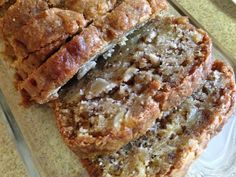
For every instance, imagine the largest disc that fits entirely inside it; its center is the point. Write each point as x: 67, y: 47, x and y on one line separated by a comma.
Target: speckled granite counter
x: 217, y: 16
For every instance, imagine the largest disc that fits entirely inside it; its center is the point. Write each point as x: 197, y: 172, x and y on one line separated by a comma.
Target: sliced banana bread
x: 43, y: 84
x: 161, y: 64
x: 179, y: 137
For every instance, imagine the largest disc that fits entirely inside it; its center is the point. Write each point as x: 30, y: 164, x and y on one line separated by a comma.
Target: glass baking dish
x: 45, y: 155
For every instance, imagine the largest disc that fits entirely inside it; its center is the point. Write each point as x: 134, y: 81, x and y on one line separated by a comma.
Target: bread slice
x: 179, y: 137
x: 34, y: 42
x: 120, y: 99
x: 43, y: 84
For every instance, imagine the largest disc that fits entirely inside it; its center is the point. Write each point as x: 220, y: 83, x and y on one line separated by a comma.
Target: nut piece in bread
x: 122, y: 97
x: 179, y: 137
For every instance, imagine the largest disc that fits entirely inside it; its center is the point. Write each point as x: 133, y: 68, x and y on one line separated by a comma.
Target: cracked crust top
x: 120, y: 99
x: 179, y: 137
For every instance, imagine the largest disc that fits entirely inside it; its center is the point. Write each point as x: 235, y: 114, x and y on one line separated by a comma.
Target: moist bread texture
x: 122, y: 97
x: 43, y: 84
x: 179, y: 137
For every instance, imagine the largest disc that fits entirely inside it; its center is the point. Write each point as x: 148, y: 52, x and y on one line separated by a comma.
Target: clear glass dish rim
x: 13, y: 126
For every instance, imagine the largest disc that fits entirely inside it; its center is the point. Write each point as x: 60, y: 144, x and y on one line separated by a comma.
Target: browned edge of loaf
x: 203, y: 133
x: 94, y: 146
x: 64, y: 64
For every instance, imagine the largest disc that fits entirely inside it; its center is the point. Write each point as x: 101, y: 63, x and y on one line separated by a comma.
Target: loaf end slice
x: 122, y: 97
x: 43, y: 84
x: 45, y: 33
x: 173, y: 142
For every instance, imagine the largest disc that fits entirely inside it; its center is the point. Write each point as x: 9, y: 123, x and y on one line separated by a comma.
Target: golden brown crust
x: 47, y: 27
x: 16, y: 16
x: 189, y: 145
x: 156, y: 96
x: 26, y: 66
x: 43, y: 35
x: 19, y: 14
x: 64, y: 64
x: 91, y: 9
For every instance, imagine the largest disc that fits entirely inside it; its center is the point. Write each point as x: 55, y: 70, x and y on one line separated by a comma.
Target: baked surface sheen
x: 122, y: 97
x: 179, y: 137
